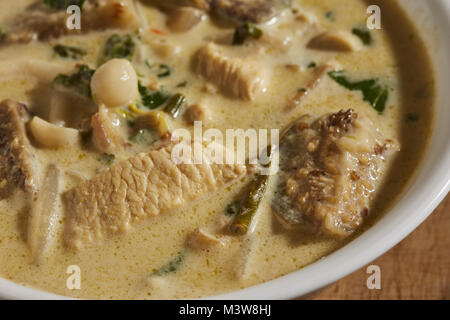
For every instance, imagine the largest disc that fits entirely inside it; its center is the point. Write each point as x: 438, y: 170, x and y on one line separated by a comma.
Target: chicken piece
x: 106, y: 135
x: 330, y: 168
x: 341, y: 41
x: 141, y: 187
x: 19, y: 166
x: 236, y: 77
x: 40, y: 22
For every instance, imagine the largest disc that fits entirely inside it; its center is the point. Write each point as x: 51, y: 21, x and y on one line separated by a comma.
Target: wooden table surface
x: 417, y: 268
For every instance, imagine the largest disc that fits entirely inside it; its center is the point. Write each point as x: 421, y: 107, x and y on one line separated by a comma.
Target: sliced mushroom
x: 42, y: 220
x: 197, y: 112
x: 49, y: 135
x: 184, y: 19
x: 200, y: 239
x: 335, y: 41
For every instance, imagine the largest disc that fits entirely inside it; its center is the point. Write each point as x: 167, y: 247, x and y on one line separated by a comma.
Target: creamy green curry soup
x: 92, y: 102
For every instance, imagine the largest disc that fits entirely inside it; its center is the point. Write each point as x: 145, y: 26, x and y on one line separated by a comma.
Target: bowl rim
x: 422, y: 196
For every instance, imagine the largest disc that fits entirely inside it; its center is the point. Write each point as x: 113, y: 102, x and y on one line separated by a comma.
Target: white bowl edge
x: 430, y: 185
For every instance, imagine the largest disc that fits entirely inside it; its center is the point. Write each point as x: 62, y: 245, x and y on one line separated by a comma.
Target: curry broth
x: 119, y: 268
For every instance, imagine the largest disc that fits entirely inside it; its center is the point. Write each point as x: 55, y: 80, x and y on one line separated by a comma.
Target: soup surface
x: 92, y: 203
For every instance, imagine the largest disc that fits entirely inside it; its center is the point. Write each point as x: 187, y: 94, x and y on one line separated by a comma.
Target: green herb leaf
x: 232, y: 208
x: 312, y: 65
x: 373, y: 93
x: 152, y: 99
x: 245, y: 31
x: 107, y: 158
x: 119, y: 47
x: 69, y: 52
x: 164, y: 71
x: 3, y: 35
x: 172, y: 266
x: 80, y: 81
x: 63, y: 4
x: 364, y: 35
x: 329, y: 15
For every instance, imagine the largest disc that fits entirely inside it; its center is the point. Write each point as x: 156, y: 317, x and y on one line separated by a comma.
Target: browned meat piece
x: 236, y: 77
x: 19, y: 165
x: 143, y: 186
x: 43, y: 23
x: 241, y: 11
x: 330, y: 168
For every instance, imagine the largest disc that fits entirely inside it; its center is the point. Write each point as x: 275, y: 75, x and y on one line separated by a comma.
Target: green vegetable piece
x: 164, y: 71
x: 80, y: 81
x: 364, y: 35
x: 312, y: 65
x: 172, y: 266
x: 3, y: 35
x: 107, y: 158
x: 330, y: 15
x: 69, y: 52
x: 175, y: 105
x: 373, y: 93
x: 119, y: 47
x: 152, y: 99
x: 245, y: 31
x: 249, y: 205
x: 63, y: 4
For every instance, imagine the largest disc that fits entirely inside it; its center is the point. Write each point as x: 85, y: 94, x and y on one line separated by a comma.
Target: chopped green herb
x: 181, y: 84
x: 119, y: 47
x: 172, y: 266
x: 2, y: 35
x: 245, y: 31
x: 69, y: 52
x: 412, y: 117
x: 63, y: 4
x: 312, y: 65
x: 232, y: 208
x: 164, y: 71
x: 80, y: 81
x: 175, y: 105
x: 329, y: 15
x: 107, y: 158
x: 364, y: 35
x: 373, y: 93
x: 152, y: 99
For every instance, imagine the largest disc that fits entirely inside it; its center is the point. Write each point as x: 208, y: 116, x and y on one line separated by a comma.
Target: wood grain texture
x: 417, y: 268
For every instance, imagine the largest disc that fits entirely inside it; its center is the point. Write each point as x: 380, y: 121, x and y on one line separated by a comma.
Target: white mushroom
x: 49, y: 135
x: 184, y: 19
x: 335, y: 41
x: 115, y: 83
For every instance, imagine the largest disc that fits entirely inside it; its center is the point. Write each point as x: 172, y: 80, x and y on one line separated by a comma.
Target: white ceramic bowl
x: 429, y: 186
